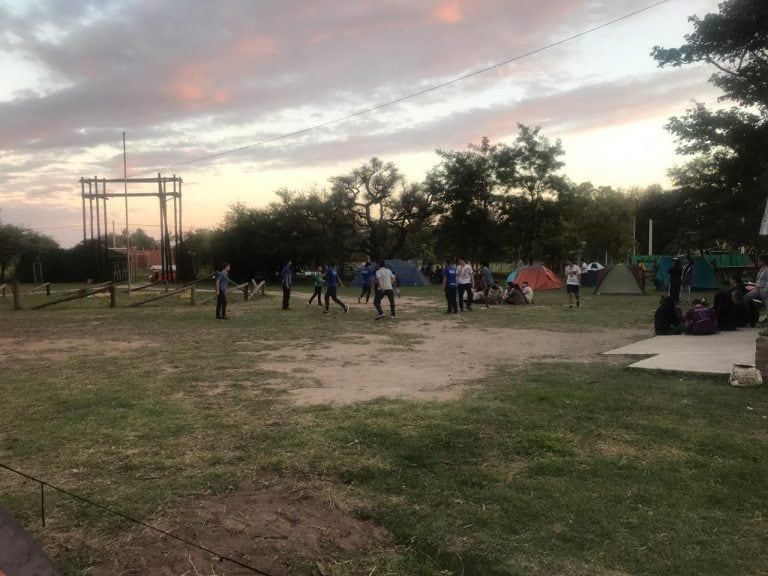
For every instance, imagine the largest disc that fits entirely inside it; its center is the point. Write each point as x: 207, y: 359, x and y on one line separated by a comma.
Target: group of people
x: 462, y: 289
x: 737, y: 307
x: 461, y: 286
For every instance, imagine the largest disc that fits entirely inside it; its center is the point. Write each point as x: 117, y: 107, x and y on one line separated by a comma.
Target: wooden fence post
x: 192, y: 294
x: 112, y: 296
x: 16, y: 295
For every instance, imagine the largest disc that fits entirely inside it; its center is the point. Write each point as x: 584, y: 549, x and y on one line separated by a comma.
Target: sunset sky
x: 187, y: 79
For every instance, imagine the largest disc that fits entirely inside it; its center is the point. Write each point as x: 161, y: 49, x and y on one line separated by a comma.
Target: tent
x: 539, y: 277
x: 619, y: 279
x: 407, y: 274
x: 595, y: 266
x: 704, y: 276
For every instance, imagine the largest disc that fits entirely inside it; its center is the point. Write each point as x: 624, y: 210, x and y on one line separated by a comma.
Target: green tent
x: 619, y: 279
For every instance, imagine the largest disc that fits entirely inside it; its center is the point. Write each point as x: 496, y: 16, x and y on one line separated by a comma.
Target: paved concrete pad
x: 713, y: 354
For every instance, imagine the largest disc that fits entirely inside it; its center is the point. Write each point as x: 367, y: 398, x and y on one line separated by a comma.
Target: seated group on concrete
x: 730, y: 310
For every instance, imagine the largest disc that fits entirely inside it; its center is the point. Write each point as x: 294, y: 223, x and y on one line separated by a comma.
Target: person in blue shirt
x: 222, y: 283
x: 366, y: 275
x: 332, y: 281
x: 450, y: 286
x: 286, y: 281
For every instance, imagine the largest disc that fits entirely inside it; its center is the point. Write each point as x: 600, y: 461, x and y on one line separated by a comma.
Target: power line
x: 382, y: 105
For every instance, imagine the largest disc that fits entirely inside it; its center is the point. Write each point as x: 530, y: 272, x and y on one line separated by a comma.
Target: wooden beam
x: 186, y: 286
x: 83, y: 294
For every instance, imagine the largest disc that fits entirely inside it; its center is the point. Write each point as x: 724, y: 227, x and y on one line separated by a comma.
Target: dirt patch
x: 430, y: 360
x: 268, y: 526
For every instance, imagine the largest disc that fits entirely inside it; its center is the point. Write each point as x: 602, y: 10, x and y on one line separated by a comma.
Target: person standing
x: 385, y: 286
x: 572, y: 281
x: 488, y: 281
x: 366, y: 276
x: 686, y: 279
x: 332, y: 281
x: 318, y: 282
x: 286, y: 281
x: 450, y: 286
x: 675, y: 273
x: 466, y: 280
x: 222, y: 283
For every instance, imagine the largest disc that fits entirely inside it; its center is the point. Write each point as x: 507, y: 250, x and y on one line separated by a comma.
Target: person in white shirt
x: 466, y: 281
x: 385, y: 282
x: 528, y: 293
x: 572, y: 282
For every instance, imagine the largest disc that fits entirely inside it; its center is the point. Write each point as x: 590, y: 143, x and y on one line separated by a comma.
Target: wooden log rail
x: 109, y: 287
x: 187, y: 286
x: 47, y: 287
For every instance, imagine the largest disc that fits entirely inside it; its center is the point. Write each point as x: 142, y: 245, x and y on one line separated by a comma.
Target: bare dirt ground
x: 267, y: 524
x: 264, y: 527
x: 436, y: 361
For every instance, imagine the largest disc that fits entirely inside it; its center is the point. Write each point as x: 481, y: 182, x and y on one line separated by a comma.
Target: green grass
x: 543, y: 468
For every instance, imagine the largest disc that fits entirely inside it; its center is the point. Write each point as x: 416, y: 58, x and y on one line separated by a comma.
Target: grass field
x: 544, y: 466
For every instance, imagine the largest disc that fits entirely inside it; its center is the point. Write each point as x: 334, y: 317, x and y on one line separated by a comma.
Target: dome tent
x: 538, y: 276
x: 619, y: 279
x: 407, y: 274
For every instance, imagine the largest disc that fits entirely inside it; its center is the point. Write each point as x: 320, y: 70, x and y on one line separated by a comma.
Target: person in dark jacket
x: 675, y: 273
x: 725, y: 311
x: 668, y: 319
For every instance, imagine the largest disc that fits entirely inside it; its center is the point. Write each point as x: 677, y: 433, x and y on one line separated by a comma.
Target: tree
x: 17, y: 243
x: 466, y: 186
x: 606, y: 223
x: 536, y: 163
x: 385, y: 211
x: 195, y: 256
x: 724, y: 187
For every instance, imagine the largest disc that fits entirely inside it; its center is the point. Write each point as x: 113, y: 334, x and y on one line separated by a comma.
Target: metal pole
x: 127, y: 231
x: 650, y: 237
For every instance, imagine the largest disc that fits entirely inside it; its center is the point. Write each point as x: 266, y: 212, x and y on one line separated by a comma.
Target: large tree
x: 466, y: 186
x: 386, y: 211
x: 17, y: 242
x: 723, y: 189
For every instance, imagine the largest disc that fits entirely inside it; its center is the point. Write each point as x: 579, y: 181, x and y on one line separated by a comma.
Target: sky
x: 277, y: 93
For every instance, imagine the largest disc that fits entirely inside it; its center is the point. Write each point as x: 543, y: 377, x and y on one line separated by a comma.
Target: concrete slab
x: 713, y: 354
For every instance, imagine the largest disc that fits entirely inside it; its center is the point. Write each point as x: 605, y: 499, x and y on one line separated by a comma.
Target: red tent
x: 539, y: 277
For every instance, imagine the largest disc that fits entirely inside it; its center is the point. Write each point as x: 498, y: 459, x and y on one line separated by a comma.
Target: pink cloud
x: 447, y: 13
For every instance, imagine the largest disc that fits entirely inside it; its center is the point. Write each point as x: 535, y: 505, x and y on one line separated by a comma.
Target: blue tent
x: 704, y: 276
x: 407, y: 274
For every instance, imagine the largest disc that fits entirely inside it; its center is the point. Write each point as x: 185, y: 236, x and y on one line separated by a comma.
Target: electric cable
x: 410, y: 96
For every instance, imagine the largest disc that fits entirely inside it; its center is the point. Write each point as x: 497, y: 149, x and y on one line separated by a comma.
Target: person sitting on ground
x: 494, y: 295
x: 513, y: 295
x: 700, y: 319
x: 667, y: 319
x: 527, y: 292
x: 725, y: 311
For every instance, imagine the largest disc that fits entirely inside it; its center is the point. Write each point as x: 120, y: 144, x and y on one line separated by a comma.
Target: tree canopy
x: 724, y: 187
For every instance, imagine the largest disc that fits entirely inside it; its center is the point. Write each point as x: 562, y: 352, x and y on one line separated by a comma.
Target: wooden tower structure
x: 95, y: 193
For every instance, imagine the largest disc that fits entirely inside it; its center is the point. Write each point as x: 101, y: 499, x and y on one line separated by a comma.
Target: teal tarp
x: 704, y: 276
x: 407, y: 274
